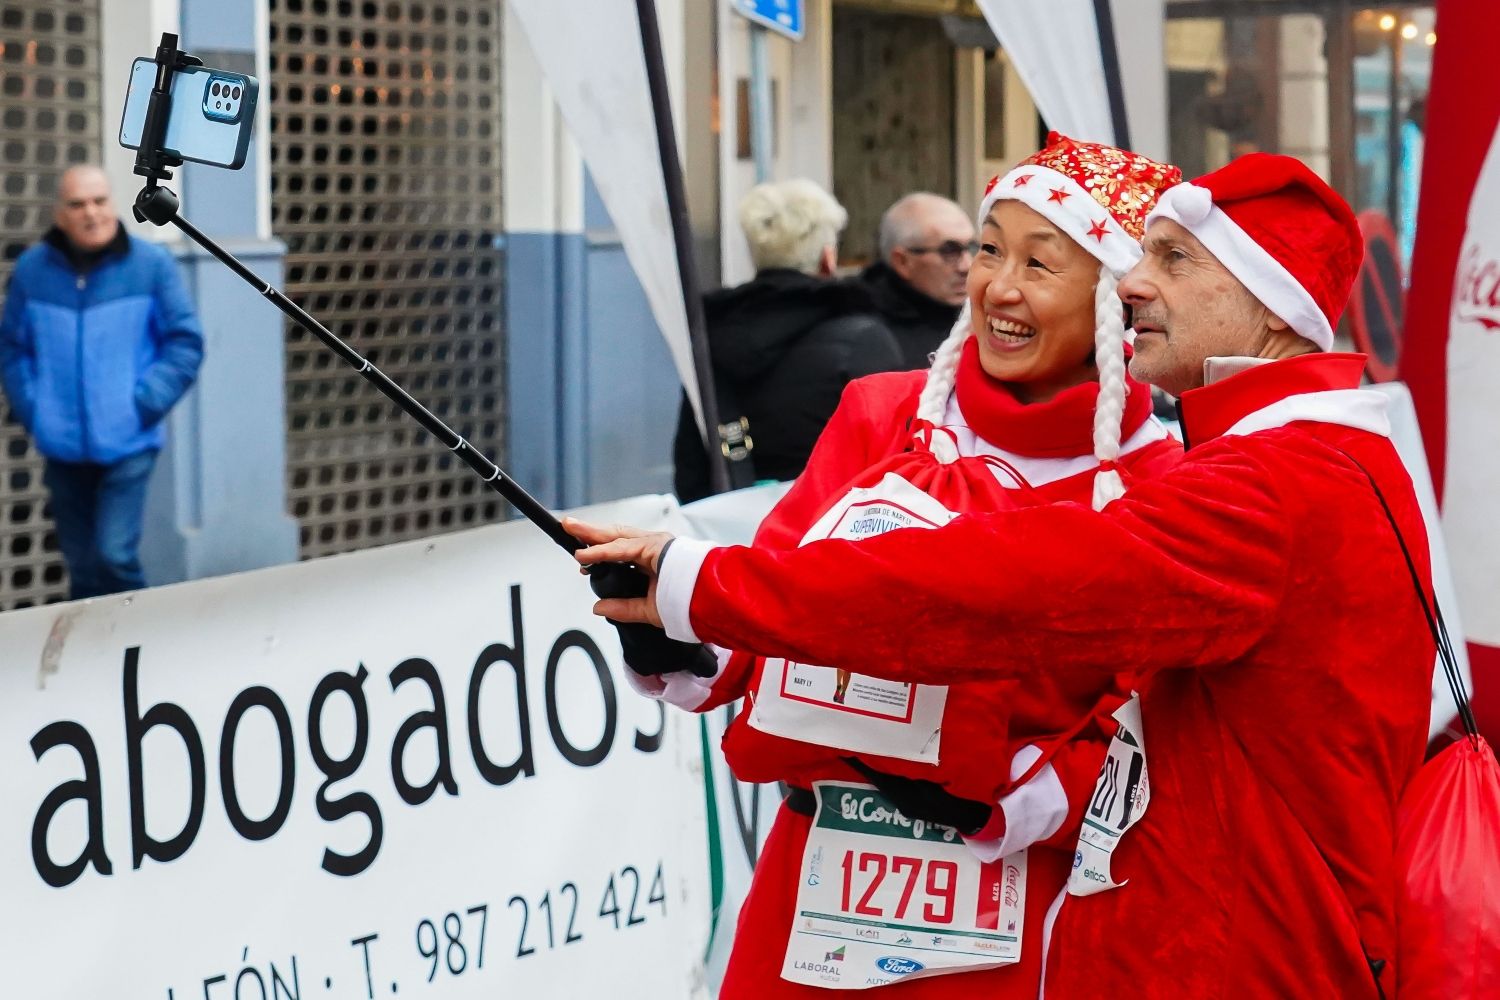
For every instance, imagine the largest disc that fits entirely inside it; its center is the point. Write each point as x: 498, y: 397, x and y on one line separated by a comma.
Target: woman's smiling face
x: 1031, y: 296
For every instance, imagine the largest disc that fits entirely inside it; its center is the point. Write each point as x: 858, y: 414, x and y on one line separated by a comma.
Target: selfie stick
x: 158, y: 205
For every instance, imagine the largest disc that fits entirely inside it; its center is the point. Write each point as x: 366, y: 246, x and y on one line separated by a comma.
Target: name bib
x: 839, y: 708
x: 1120, y: 798
x: 882, y: 898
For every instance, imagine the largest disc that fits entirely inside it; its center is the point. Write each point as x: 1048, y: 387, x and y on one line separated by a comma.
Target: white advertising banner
x: 744, y: 811
x: 1472, y: 471
x: 409, y: 772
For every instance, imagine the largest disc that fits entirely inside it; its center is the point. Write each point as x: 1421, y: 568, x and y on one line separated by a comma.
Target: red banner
x: 1451, y: 359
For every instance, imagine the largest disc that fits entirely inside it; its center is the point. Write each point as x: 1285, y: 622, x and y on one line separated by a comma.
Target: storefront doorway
x: 1339, y: 85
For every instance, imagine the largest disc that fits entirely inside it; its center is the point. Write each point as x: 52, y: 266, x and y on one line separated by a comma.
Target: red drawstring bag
x: 1448, y: 857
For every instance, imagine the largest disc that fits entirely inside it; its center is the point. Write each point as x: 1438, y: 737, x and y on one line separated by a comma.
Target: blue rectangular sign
x: 784, y: 16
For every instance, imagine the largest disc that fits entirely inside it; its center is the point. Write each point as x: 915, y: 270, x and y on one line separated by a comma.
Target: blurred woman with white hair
x: 784, y: 345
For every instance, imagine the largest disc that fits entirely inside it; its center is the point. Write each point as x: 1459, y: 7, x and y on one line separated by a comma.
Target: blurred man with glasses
x: 926, y: 246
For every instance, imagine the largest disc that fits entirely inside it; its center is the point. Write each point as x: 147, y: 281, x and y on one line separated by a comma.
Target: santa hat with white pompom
x: 1281, y: 231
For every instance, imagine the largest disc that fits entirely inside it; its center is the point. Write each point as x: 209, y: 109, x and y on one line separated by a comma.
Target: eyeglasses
x: 951, y: 251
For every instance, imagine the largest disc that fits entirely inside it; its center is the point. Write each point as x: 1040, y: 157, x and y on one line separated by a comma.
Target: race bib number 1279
x: 883, y: 898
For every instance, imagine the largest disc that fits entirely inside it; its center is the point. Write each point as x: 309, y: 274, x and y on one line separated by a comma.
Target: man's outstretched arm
x: 1184, y: 571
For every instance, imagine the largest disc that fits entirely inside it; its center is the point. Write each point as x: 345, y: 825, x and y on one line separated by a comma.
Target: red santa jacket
x: 1288, y: 667
x: 1052, y: 451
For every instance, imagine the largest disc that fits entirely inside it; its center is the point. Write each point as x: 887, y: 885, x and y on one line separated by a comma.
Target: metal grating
x: 49, y: 109
x: 385, y: 152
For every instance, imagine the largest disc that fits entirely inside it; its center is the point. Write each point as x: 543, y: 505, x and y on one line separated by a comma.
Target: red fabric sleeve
x: 1185, y: 570
x: 732, y: 683
x: 863, y: 429
x: 1151, y: 461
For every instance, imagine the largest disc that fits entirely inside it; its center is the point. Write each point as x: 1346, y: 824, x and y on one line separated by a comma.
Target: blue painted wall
x: 544, y: 285
x: 634, y: 391
x: 217, y: 502
x: 592, y: 393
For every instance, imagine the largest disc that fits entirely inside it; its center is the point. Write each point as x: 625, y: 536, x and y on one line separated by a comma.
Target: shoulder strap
x: 1433, y: 614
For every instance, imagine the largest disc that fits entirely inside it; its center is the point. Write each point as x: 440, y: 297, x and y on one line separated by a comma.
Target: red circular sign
x: 1375, y: 307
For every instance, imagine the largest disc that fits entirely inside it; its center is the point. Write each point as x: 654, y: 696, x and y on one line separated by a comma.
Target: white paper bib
x: 1120, y: 798
x: 839, y: 708
x: 882, y: 898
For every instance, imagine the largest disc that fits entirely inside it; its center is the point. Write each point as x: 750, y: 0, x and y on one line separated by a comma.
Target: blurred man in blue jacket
x: 98, y: 341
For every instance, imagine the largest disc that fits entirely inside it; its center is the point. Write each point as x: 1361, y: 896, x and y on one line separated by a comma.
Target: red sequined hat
x: 1099, y: 195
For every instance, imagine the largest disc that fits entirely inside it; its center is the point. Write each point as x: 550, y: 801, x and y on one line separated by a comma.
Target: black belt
x: 801, y: 801
x: 917, y: 798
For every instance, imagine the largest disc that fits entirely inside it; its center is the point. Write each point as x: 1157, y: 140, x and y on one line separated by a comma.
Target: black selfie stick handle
x: 158, y: 205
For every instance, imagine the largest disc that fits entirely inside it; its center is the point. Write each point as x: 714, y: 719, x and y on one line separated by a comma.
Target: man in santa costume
x: 1264, y: 594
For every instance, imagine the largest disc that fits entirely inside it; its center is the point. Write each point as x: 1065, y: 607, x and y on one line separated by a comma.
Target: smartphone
x: 211, y: 114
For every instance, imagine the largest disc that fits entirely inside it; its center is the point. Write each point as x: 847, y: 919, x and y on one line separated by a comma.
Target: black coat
x: 783, y: 347
x: 919, y: 322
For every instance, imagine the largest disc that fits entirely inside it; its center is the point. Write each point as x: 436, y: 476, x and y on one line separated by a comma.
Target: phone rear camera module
x: 221, y: 99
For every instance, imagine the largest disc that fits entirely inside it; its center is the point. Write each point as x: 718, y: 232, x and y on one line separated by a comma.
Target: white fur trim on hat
x: 1260, y: 273
x: 1063, y: 202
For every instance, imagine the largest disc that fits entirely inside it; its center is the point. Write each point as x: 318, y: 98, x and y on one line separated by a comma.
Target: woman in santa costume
x: 1276, y: 625
x: 1027, y: 402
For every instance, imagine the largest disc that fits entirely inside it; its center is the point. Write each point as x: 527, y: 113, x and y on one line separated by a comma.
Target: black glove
x: 649, y: 652
x: 918, y: 798
x: 647, y: 649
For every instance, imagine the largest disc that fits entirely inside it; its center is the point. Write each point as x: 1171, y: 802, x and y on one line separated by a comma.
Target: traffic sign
x: 783, y: 16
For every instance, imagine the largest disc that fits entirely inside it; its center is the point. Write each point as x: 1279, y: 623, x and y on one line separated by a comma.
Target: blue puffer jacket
x: 92, y: 360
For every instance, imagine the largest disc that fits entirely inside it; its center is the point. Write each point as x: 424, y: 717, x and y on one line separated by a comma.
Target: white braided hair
x: 1109, y: 355
x: 933, y: 403
x: 1109, y: 409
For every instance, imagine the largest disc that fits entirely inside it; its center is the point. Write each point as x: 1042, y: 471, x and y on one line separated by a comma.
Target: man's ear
x: 828, y: 262
x: 901, y: 262
x: 1275, y: 323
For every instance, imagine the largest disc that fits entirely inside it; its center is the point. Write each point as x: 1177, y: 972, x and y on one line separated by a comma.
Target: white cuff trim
x: 675, y: 579
x: 1033, y: 812
x: 685, y: 690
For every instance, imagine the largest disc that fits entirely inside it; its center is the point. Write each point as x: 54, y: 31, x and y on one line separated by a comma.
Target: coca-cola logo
x: 1476, y: 293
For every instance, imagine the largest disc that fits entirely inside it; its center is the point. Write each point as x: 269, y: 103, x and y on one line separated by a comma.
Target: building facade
x: 412, y: 184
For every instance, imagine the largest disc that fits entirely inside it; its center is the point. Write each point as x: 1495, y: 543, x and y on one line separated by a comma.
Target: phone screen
x: 211, y: 116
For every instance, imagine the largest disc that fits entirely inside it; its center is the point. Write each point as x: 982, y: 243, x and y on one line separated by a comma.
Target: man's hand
x: 622, y: 544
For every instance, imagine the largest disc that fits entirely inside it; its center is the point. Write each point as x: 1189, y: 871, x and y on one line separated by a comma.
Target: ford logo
x: 898, y: 966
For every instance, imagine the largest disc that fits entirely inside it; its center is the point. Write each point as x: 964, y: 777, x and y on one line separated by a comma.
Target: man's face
x: 1186, y: 307
x: 937, y: 262
x: 85, y: 210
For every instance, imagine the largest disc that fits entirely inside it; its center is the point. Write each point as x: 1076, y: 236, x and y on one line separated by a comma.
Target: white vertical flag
x: 1054, y: 45
x: 590, y: 52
